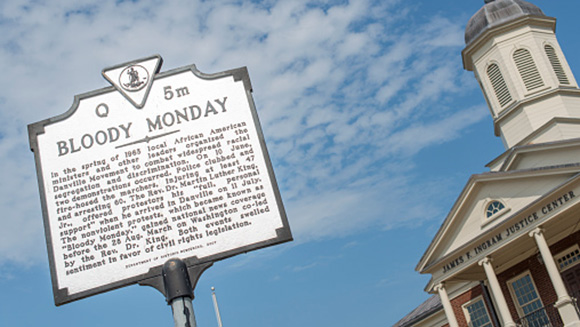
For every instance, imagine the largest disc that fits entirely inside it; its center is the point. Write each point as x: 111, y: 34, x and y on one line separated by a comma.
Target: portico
x: 512, y: 238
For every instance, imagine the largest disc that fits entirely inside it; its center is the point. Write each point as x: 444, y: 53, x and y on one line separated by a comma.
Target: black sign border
x: 283, y: 234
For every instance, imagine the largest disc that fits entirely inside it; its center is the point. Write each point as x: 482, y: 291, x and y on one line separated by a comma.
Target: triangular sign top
x: 134, y: 79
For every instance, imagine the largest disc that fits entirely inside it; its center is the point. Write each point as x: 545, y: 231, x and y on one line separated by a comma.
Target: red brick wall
x: 539, y: 275
x: 460, y: 300
x: 565, y: 243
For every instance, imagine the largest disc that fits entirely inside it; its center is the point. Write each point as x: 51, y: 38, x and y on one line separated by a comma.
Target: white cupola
x: 512, y: 49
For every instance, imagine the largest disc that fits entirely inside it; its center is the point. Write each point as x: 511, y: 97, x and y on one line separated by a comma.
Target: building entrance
x: 571, y: 278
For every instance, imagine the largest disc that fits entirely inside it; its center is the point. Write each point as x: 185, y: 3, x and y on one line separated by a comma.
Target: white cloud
x: 420, y: 135
x: 347, y: 93
x: 306, y: 267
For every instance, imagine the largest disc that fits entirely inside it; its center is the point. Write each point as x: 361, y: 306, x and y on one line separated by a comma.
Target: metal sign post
x: 159, y: 165
x: 182, y: 309
x: 179, y: 292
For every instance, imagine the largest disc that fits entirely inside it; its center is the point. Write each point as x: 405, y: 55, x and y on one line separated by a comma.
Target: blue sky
x: 372, y: 126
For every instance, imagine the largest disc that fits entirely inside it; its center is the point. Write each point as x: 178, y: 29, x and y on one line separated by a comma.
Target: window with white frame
x: 476, y: 313
x: 528, y: 302
x: 493, y: 208
x: 568, y: 258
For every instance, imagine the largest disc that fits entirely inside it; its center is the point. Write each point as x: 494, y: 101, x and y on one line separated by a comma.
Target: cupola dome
x: 497, y: 12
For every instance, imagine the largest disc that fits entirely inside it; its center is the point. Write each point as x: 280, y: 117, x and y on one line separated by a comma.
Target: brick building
x: 507, y: 254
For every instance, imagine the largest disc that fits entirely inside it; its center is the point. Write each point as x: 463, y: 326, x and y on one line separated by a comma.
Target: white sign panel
x: 159, y: 166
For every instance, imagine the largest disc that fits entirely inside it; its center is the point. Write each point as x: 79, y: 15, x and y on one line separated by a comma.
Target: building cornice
x: 509, y: 157
x: 528, y: 20
x: 513, y: 109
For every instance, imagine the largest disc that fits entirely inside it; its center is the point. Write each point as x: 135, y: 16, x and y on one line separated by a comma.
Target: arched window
x: 500, y: 88
x: 493, y: 208
x: 556, y: 66
x: 528, y: 70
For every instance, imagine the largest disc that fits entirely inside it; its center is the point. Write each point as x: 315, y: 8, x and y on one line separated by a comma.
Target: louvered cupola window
x: 558, y: 70
x: 499, y: 86
x: 528, y: 70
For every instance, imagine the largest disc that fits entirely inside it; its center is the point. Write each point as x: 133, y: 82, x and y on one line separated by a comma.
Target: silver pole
x: 215, y: 306
x: 179, y: 290
x: 183, y: 316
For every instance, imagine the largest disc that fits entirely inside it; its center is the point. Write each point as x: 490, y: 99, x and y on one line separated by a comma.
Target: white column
x: 497, y: 293
x: 447, y: 305
x: 565, y: 304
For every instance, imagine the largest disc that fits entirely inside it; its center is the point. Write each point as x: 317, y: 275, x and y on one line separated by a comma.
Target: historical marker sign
x: 160, y: 165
